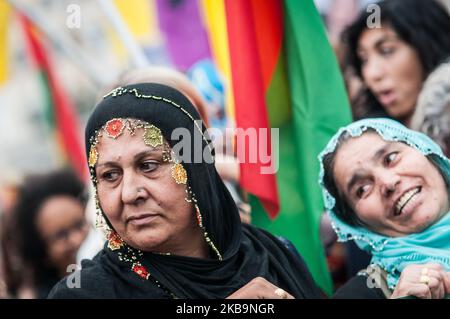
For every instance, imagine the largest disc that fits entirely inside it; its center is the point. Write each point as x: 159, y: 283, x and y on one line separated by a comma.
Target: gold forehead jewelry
x: 152, y: 136
x: 114, y: 127
x: 121, y: 91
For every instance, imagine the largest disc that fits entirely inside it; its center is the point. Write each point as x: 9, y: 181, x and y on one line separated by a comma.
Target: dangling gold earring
x: 179, y: 174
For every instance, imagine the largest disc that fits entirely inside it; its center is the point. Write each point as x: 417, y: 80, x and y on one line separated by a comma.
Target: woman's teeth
x: 407, y: 198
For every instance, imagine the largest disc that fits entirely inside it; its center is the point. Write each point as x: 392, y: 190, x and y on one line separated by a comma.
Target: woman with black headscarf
x: 174, y: 230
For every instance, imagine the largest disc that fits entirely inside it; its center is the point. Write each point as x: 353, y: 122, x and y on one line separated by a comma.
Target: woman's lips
x: 140, y: 220
x: 410, y: 206
x: 387, y: 97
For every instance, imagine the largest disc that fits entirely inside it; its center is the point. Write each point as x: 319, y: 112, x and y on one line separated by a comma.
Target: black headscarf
x: 247, y: 252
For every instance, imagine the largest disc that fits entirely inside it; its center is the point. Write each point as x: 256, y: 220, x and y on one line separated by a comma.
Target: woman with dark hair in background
x: 395, y: 59
x: 50, y: 226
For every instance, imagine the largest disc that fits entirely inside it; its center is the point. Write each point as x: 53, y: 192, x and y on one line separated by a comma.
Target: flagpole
x: 137, y: 55
x: 99, y: 76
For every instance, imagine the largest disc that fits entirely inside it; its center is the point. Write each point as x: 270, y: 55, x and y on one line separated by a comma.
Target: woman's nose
x: 76, y: 237
x: 389, y: 183
x: 128, y: 188
x: 373, y: 70
x: 131, y: 191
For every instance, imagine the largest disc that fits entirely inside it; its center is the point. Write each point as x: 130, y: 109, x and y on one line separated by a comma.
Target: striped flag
x: 213, y: 13
x: 61, y: 114
x: 4, y: 21
x: 284, y: 75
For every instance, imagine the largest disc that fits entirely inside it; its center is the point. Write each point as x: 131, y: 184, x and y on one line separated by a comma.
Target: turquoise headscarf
x: 393, y: 254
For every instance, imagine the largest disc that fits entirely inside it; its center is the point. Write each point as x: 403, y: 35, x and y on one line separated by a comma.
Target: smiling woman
x: 390, y: 177
x: 173, y: 228
x: 387, y: 188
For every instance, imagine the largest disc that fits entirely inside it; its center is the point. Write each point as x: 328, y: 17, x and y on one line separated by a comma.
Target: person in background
x: 394, y: 59
x: 9, y: 262
x: 50, y: 226
x: 207, y: 80
x: 432, y: 115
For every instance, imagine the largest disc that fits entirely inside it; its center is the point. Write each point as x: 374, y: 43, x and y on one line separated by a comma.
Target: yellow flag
x: 4, y: 20
x: 216, y: 26
x: 140, y: 17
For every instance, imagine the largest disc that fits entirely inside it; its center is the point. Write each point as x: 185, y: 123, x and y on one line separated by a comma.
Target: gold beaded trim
x: 190, y: 198
x: 205, y: 233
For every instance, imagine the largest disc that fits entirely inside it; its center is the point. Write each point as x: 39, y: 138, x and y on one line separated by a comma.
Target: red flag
x: 66, y: 123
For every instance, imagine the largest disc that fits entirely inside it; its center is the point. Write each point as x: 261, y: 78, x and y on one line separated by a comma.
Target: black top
x: 101, y: 278
x: 45, y: 285
x: 358, y: 287
x: 107, y: 277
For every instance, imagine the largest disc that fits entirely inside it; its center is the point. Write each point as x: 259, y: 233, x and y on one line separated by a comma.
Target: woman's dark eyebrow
x: 139, y: 155
x: 380, y: 41
x: 357, y: 176
x: 380, y: 153
x: 151, y: 151
x: 110, y: 163
x: 384, y: 39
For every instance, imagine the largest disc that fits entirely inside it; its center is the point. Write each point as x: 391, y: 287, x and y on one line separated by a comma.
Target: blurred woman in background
x: 394, y: 60
x: 50, y: 226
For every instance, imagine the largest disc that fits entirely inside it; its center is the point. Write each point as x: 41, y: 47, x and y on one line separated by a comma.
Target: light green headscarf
x: 393, y: 254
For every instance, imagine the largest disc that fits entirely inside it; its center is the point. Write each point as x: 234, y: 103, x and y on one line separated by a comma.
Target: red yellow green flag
x: 61, y: 113
x: 285, y: 75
